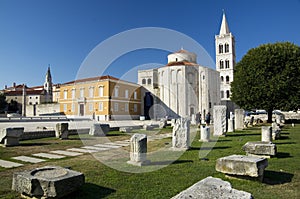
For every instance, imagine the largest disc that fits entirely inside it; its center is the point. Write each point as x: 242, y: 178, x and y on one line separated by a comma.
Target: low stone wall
x: 30, y: 135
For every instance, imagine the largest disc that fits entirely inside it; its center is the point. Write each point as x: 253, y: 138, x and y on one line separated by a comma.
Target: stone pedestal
x: 193, y: 119
x: 62, y: 130
x: 47, y: 182
x: 11, y: 136
x: 266, y: 134
x: 181, y: 134
x: 241, y: 165
x: 138, y: 150
x: 230, y: 125
x: 275, y: 131
x: 239, y: 118
x: 163, y: 123
x: 205, y: 134
x: 148, y: 127
x: 99, y: 129
x: 264, y: 149
x: 125, y: 129
x: 220, y: 120
x: 212, y: 188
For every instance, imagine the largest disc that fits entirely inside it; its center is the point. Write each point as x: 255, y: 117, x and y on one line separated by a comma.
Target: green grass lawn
x: 282, y: 176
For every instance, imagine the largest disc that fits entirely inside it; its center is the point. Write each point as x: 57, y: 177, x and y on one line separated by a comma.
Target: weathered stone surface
x: 220, y: 120
x: 276, y: 131
x: 266, y: 133
x: 193, y: 119
x: 9, y: 164
x: 205, y: 134
x: 173, y: 121
x: 230, y: 125
x: 260, y: 148
x: 99, y: 129
x: 242, y: 165
x: 125, y: 129
x: 62, y: 131
x: 148, y: 127
x: 138, y: 150
x: 11, y: 136
x: 239, y: 117
x: 28, y: 159
x: 211, y: 188
x: 163, y: 123
x: 181, y: 134
x: 47, y: 182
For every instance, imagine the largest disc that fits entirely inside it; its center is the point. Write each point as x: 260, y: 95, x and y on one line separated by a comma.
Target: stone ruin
x: 212, y: 188
x: 99, y: 129
x: 220, y: 120
x: 163, y: 123
x: 276, y: 131
x: 125, y: 129
x: 239, y: 118
x: 11, y: 136
x: 266, y: 134
x: 263, y: 149
x: 47, y: 182
x: 62, y: 130
x: 205, y: 134
x: 181, y: 134
x: 138, y: 150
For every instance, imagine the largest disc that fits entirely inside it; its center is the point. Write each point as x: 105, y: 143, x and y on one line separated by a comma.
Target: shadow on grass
x: 284, y: 133
x: 171, y: 162
x: 285, y: 143
x: 221, y: 140
x: 284, y: 138
x: 34, y: 144
x: 283, y: 155
x: 208, y: 148
x: 275, y: 177
x: 240, y: 134
x: 89, y: 190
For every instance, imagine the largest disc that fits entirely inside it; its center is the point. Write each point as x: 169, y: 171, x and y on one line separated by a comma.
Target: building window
x: 226, y: 48
x: 100, y: 106
x: 73, y: 108
x: 91, y: 107
x: 221, y: 64
x: 126, y: 93
x: 220, y: 48
x: 222, y: 94
x: 116, y: 91
x: 101, y: 88
x: 143, y: 81
x: 226, y: 63
x: 149, y: 81
x: 65, y: 107
x: 135, y: 95
x: 65, y: 94
x: 126, y: 107
x: 91, y: 92
x: 36, y: 97
x: 116, y: 107
x: 82, y: 92
x: 36, y: 103
x: 30, y: 103
x: 73, y: 93
x: 227, y: 79
x: 30, y: 97
x: 227, y: 94
x: 222, y: 79
x: 135, y: 108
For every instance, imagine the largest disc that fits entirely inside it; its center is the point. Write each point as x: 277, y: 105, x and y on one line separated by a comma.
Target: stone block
x: 47, y: 182
x: 241, y: 165
x: 212, y: 188
x: 163, y: 123
x: 148, y: 127
x: 125, y: 129
x: 266, y: 133
x: 62, y: 130
x: 266, y: 149
x: 220, y: 120
x: 230, y: 125
x: 181, y: 134
x: 276, y: 131
x: 239, y: 117
x: 99, y: 129
x: 11, y: 136
x: 205, y: 134
x: 138, y: 150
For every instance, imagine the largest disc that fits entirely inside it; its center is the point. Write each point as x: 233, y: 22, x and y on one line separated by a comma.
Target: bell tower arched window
x: 226, y: 48
x: 220, y: 48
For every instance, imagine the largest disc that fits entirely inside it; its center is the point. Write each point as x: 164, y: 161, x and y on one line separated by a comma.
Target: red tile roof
x: 106, y: 77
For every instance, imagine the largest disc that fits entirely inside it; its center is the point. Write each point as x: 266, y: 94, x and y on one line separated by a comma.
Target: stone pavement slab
x: 9, y: 164
x: 117, y: 144
x: 66, y: 153
x: 28, y: 159
x: 48, y: 155
x: 107, y: 146
x: 95, y: 148
x: 82, y: 150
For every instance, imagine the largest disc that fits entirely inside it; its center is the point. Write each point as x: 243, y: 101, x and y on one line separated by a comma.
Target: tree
x: 3, y: 102
x: 268, y: 77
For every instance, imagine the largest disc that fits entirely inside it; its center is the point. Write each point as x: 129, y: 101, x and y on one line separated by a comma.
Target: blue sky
x: 35, y: 33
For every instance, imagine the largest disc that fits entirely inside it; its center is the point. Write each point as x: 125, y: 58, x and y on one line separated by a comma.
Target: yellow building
x: 101, y: 98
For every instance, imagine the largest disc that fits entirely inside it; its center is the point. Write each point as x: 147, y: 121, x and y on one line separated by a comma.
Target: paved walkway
x: 72, y: 152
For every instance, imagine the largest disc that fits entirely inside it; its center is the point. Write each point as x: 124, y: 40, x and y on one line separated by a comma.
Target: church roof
x: 20, y: 93
x: 182, y: 63
x: 183, y: 51
x: 224, y: 26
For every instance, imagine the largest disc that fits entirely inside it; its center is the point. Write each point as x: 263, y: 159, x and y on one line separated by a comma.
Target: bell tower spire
x: 224, y: 26
x: 48, y: 85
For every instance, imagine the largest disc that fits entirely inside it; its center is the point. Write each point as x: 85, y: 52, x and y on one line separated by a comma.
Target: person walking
x: 207, y: 119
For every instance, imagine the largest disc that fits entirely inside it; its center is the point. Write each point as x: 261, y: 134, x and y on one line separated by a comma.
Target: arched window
x: 143, y: 81
x: 220, y: 48
x: 226, y: 48
x: 226, y: 63
x: 221, y: 64
x: 222, y: 78
x: 227, y: 79
x: 222, y: 94
x: 149, y: 81
x: 227, y: 94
